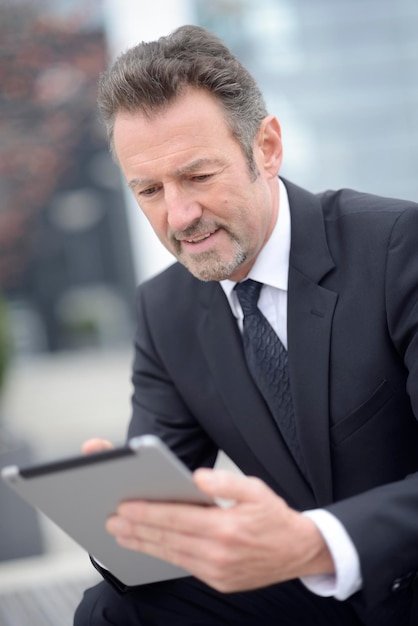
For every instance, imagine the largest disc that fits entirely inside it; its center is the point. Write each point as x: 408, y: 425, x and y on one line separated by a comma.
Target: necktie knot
x: 248, y: 293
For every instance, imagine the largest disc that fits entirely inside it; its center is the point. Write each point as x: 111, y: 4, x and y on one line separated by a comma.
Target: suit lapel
x: 310, y: 312
x: 222, y: 346
x: 309, y: 330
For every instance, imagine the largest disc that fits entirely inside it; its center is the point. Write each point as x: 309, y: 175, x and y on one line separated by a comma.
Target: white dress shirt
x: 272, y: 269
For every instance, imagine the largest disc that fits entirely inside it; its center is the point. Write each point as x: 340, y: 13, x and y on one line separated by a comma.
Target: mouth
x: 200, y: 242
x: 199, y: 239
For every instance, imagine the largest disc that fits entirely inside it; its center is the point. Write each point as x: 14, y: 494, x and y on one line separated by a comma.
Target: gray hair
x: 151, y: 75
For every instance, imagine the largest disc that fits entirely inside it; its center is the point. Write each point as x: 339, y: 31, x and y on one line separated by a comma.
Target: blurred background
x: 342, y: 78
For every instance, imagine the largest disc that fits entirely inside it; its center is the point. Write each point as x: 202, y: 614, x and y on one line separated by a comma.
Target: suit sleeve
x: 157, y: 406
x: 383, y: 522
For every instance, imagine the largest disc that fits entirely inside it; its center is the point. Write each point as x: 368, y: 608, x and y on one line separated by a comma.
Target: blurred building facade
x: 342, y: 78
x: 65, y: 259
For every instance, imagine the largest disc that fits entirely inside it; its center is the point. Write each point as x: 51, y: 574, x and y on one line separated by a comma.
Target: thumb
x: 229, y: 486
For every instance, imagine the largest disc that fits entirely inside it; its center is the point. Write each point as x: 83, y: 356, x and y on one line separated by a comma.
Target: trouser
x: 189, y: 602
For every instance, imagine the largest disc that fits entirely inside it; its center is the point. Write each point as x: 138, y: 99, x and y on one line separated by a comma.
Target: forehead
x: 191, y: 127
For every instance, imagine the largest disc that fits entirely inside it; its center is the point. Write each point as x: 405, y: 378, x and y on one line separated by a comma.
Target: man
x: 324, y: 529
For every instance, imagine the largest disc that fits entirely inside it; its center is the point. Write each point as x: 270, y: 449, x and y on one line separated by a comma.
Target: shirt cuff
x: 347, y: 578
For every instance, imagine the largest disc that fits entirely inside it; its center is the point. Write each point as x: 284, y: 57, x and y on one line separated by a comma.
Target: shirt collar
x: 271, y: 266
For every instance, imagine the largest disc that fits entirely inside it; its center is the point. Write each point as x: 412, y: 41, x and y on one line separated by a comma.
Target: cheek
x: 157, y: 222
x: 153, y: 214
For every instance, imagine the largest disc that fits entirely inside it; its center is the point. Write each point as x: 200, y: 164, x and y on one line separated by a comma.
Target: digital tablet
x: 79, y: 493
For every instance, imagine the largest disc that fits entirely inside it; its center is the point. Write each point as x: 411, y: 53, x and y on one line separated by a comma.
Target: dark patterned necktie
x: 267, y: 361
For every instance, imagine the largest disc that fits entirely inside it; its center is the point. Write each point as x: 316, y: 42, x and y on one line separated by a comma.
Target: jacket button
x: 404, y: 581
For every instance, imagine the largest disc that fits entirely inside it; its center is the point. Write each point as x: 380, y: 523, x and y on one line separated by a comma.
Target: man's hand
x: 256, y: 542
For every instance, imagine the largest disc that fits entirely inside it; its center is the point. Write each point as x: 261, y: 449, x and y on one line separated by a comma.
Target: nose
x: 182, y: 209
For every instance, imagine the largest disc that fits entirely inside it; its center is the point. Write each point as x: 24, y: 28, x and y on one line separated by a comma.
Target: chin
x: 209, y: 267
x: 208, y: 274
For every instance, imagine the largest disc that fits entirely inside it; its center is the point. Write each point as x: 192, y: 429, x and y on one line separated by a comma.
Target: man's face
x: 193, y: 183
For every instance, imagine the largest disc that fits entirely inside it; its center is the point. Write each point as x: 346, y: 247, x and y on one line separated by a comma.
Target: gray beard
x: 208, y: 266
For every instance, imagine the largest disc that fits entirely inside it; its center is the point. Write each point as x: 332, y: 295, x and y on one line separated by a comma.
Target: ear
x: 269, y: 146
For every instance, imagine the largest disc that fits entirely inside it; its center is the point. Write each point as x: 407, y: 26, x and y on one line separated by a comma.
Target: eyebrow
x: 194, y: 166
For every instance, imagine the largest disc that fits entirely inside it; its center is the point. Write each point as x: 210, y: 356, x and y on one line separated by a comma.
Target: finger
x: 191, y: 552
x: 229, y: 486
x: 183, y: 518
x: 203, y: 557
x: 190, y: 561
x: 146, y: 536
x: 96, y: 445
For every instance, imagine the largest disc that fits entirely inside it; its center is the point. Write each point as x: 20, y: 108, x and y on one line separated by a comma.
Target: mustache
x: 197, y: 228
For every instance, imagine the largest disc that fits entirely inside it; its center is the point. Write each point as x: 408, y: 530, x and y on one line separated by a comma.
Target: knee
x: 92, y: 609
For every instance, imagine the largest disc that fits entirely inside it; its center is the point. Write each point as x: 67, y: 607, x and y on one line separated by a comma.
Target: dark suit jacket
x: 353, y: 359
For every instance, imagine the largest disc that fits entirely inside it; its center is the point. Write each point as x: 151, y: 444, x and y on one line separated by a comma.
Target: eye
x: 200, y: 178
x: 149, y: 191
